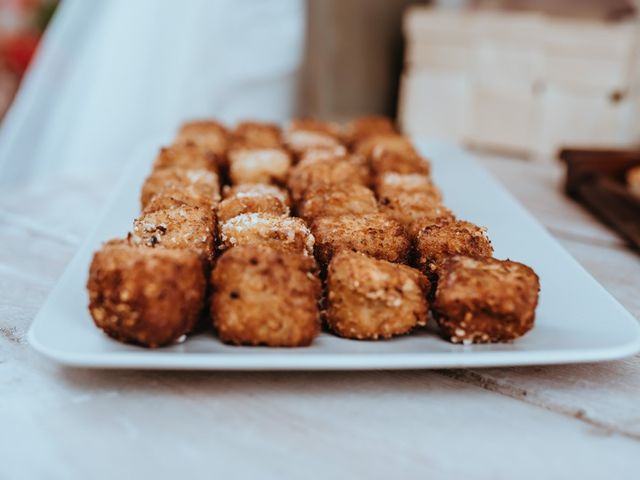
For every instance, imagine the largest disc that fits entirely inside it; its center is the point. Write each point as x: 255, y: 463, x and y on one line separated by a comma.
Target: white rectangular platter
x: 577, y: 320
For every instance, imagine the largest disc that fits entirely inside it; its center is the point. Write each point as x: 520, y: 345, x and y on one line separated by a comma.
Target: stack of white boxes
x: 520, y: 83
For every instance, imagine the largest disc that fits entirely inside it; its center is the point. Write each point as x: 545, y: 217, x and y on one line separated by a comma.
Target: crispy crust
x: 367, y: 126
x: 374, y: 234
x: 391, y: 184
x: 259, y: 165
x: 188, y: 155
x: 302, y: 135
x: 374, y: 299
x: 174, y: 197
x: 485, y: 300
x: 323, y: 153
x: 182, y: 227
x: 383, y: 161
x: 256, y: 190
x: 329, y: 172
x: 326, y: 201
x: 409, y: 208
x: 257, y: 135
x: 234, y: 206
x: 289, y: 234
x: 207, y: 133
x: 409, y: 198
x: 437, y: 242
x: 196, y: 183
x: 262, y: 296
x: 385, y: 143
x: 151, y: 297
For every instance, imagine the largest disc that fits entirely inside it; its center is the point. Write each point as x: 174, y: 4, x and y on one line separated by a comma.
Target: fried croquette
x: 393, y: 142
x: 174, y: 197
x: 485, y: 300
x: 303, y: 135
x: 288, y: 234
x: 337, y: 200
x: 438, y: 214
x: 259, y: 165
x: 437, y: 242
x: 187, y: 155
x: 409, y: 198
x: 367, y: 126
x: 409, y: 208
x: 237, y: 205
x: 263, y: 296
x: 148, y: 296
x: 383, y: 161
x: 256, y: 190
x: 257, y: 135
x: 183, y: 227
x: 369, y: 299
x: 391, y: 184
x: 206, y: 133
x: 347, y: 170
x: 198, y: 183
x: 374, y: 234
x: 319, y: 154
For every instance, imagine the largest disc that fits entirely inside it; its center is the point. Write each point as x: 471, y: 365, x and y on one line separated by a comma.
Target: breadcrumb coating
x: 147, y: 296
x: 485, y: 300
x: 184, y: 227
x: 195, y: 182
x: 207, y: 133
x: 374, y: 234
x: 371, y: 299
x: 174, y: 197
x: 288, y: 234
x: 188, y: 155
x: 346, y: 170
x: 389, y: 142
x: 238, y: 205
x: 337, y: 200
x: 253, y: 134
x: 363, y: 127
x: 437, y: 242
x: 256, y: 190
x: 259, y: 165
x: 263, y: 296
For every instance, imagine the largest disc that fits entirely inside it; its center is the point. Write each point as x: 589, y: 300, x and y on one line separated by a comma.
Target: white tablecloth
x: 110, y: 74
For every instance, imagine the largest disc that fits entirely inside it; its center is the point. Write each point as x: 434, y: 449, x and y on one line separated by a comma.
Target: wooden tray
x: 596, y: 179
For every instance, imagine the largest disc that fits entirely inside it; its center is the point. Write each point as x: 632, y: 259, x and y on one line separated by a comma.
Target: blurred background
x: 517, y: 77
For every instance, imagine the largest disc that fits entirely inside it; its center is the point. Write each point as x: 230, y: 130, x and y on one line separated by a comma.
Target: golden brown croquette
x: 374, y: 234
x: 367, y: 126
x: 263, y: 296
x: 485, y: 300
x: 259, y: 165
x: 371, y: 299
x: 331, y: 201
x: 347, y: 170
x: 188, y: 155
x: 237, y: 205
x: 148, y: 296
x: 197, y: 182
x: 209, y: 134
x: 182, y: 227
x: 436, y: 242
x: 253, y: 134
x: 288, y: 234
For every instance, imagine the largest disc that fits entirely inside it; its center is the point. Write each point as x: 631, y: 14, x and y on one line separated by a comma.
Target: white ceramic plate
x: 577, y: 320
